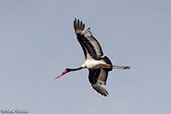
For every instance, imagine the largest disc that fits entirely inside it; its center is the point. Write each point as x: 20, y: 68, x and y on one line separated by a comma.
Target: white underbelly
x: 93, y: 64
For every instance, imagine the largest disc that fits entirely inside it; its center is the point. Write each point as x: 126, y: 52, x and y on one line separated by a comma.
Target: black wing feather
x: 79, y: 27
x: 97, y: 77
x: 93, y: 75
x: 89, y: 47
x: 87, y: 41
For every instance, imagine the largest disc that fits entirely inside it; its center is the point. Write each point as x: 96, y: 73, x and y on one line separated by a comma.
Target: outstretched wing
x: 98, y: 78
x: 79, y: 27
x: 88, y: 43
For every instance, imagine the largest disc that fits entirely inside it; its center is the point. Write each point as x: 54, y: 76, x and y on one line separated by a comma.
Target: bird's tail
x: 78, y: 26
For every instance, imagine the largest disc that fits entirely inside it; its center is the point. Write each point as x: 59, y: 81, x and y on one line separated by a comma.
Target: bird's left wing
x: 79, y: 27
x: 98, y: 78
x: 88, y: 43
x: 94, y: 42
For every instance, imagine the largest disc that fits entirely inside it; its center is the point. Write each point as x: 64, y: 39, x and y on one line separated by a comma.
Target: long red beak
x: 58, y: 76
x: 65, y: 71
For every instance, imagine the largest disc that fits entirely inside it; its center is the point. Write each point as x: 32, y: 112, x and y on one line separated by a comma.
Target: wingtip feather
x: 100, y: 89
x: 78, y: 26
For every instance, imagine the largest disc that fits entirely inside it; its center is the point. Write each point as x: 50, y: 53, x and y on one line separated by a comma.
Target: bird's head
x: 64, y: 72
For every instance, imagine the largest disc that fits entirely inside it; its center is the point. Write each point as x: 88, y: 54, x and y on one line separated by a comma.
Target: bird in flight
x: 97, y: 64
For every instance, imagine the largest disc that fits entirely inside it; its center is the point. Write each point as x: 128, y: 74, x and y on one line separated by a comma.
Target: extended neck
x: 75, y: 69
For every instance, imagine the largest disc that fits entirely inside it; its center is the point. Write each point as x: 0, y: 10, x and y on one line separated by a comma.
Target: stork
x: 97, y: 64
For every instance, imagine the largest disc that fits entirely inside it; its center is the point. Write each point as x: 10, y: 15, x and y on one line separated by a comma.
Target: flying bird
x: 97, y: 64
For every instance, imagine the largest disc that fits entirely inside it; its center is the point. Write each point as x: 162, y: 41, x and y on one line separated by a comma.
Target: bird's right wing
x: 98, y: 78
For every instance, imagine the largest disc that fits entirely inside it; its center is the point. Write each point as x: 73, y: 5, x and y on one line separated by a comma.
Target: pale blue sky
x: 37, y: 42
